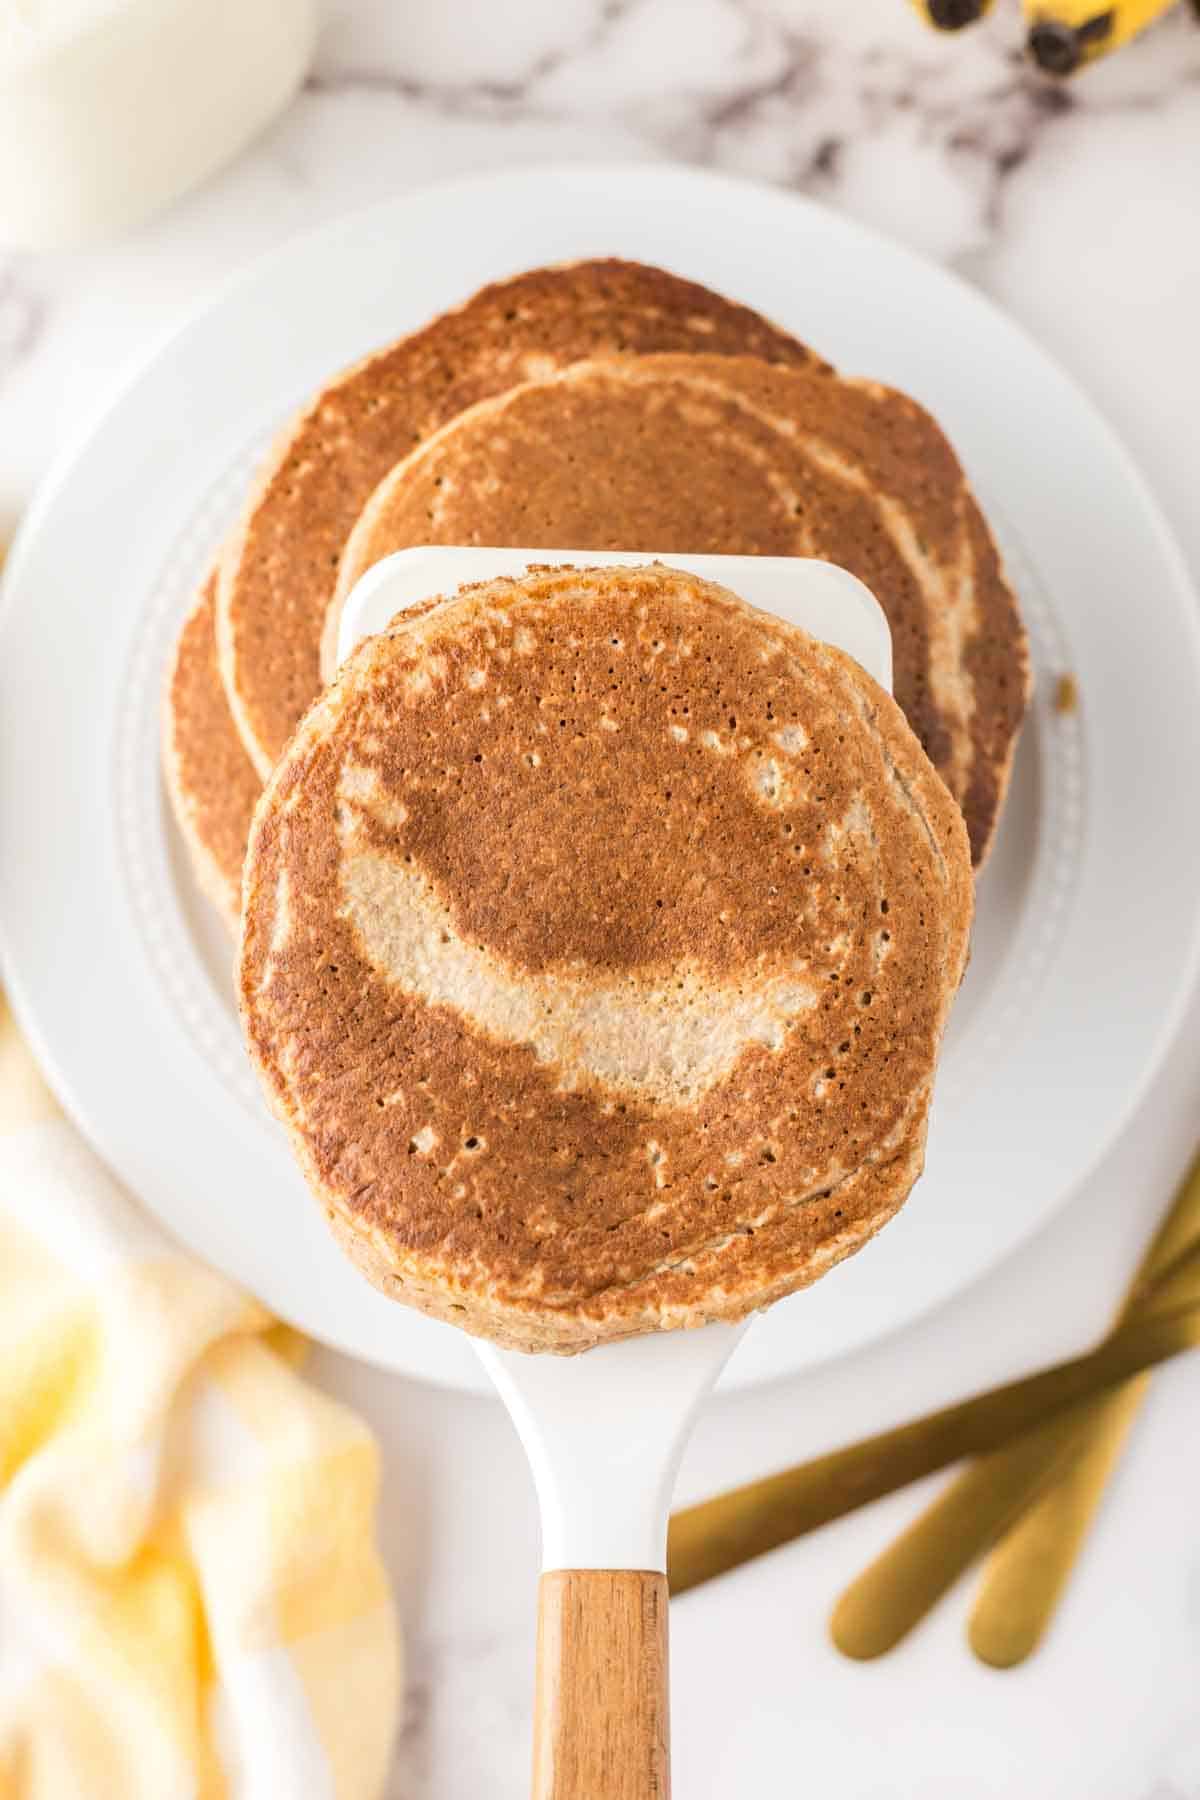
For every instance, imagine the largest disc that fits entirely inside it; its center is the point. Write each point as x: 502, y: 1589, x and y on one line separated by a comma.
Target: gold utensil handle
x: 897, y: 1590
x: 600, y: 1727
x: 1173, y: 1245
x: 719, y: 1534
x: 1027, y: 1572
x: 1036, y: 1495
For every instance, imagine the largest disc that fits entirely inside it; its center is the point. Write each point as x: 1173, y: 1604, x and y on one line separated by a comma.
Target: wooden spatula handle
x: 600, y: 1712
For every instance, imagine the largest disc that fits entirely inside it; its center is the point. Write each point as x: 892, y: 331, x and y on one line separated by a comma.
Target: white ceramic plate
x: 1087, y: 924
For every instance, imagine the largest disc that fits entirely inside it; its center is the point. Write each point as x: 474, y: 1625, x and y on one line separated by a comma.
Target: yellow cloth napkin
x: 191, y: 1602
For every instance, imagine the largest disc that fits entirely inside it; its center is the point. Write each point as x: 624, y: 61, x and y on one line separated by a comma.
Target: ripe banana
x: 1064, y: 34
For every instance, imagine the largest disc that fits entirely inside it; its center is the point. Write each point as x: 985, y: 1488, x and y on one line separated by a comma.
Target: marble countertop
x: 1077, y: 209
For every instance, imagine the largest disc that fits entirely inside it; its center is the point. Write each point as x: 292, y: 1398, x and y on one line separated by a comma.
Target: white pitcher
x: 111, y: 108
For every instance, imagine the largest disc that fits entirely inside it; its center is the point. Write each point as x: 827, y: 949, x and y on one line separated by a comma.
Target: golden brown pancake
x: 599, y: 936
x: 210, y: 779
x: 728, y: 454
x: 278, y: 573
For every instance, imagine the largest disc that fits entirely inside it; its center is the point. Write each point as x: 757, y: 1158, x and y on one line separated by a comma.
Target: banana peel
x: 1060, y: 35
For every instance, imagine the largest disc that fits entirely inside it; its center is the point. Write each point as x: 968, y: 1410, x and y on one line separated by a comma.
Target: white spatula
x: 604, y: 1432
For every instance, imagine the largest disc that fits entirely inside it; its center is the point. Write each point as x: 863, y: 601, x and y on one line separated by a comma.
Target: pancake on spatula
x: 210, y: 779
x: 600, y: 932
x: 278, y: 573
x: 728, y: 454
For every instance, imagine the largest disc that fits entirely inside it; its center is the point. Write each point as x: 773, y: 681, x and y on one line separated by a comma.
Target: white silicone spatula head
x: 604, y: 1432
x: 825, y: 601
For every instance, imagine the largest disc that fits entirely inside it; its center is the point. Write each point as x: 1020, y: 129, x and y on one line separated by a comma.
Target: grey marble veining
x: 800, y: 93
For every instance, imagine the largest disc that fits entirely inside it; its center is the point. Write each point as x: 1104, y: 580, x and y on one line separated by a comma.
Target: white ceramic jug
x: 111, y: 108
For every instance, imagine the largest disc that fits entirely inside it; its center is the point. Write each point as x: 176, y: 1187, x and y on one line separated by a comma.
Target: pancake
x: 278, y: 574
x: 725, y: 454
x: 599, y: 936
x: 210, y: 779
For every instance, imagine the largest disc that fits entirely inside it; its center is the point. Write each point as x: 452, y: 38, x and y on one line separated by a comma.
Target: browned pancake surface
x: 279, y: 572
x: 682, y: 452
x: 209, y: 777
x: 600, y: 934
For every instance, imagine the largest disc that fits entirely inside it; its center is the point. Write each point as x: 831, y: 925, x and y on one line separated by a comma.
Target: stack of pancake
x: 598, y: 405
x: 598, y: 931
